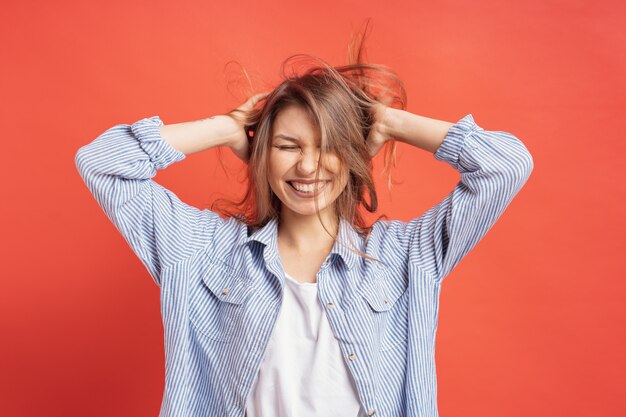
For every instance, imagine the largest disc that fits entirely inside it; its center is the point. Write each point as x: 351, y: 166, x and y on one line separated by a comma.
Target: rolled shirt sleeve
x: 118, y: 168
x: 494, y: 166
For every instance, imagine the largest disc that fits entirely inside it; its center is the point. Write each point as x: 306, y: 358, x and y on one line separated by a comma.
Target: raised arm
x: 494, y: 166
x: 118, y: 167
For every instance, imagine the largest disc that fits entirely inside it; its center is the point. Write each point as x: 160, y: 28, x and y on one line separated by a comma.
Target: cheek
x: 332, y: 163
x: 344, y: 181
x: 275, y: 168
x: 341, y: 179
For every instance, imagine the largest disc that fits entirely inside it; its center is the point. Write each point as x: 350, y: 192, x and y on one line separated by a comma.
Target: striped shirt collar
x: 268, y: 233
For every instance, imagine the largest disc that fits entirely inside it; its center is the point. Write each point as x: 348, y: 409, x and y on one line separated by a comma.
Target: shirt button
x: 352, y: 356
x: 330, y: 306
x: 371, y: 412
x: 226, y: 291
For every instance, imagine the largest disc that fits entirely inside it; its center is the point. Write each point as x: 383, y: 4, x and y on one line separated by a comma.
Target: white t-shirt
x: 303, y: 373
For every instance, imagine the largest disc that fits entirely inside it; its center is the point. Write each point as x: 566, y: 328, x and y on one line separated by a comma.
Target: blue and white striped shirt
x: 221, y: 289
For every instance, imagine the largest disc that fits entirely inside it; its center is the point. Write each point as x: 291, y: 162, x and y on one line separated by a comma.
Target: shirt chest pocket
x: 216, y: 301
x: 387, y: 300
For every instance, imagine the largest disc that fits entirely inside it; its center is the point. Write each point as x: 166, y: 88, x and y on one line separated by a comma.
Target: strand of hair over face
x: 317, y: 85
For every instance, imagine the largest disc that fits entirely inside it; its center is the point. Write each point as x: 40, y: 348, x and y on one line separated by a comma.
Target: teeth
x: 307, y: 188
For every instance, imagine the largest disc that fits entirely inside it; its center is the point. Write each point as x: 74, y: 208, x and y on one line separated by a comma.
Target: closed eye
x: 286, y: 148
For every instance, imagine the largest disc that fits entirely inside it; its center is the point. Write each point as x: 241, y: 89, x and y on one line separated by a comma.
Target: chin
x: 305, y: 211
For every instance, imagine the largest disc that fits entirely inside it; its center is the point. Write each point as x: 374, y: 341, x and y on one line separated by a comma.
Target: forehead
x: 295, y: 122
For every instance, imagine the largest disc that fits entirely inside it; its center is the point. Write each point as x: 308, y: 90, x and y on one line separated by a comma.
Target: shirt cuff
x: 160, y: 152
x: 456, y: 138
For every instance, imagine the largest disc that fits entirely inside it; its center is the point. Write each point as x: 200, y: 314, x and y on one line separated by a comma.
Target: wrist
x: 390, y: 124
x: 226, y: 128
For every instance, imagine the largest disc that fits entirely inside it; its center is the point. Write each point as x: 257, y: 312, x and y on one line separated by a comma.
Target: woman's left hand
x: 378, y: 132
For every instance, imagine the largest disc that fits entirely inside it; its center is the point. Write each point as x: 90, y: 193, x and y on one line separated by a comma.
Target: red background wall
x: 531, y: 321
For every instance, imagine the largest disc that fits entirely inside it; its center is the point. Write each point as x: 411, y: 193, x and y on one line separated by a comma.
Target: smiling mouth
x: 308, y: 190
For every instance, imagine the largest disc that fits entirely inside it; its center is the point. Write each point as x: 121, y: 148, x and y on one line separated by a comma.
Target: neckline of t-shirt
x: 303, y: 284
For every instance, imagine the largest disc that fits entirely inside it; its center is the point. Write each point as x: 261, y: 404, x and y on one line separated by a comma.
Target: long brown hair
x: 338, y: 99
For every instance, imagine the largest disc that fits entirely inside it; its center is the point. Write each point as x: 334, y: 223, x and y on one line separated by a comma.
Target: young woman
x: 297, y: 307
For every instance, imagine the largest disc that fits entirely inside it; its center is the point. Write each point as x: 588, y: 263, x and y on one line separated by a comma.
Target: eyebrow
x: 289, y: 138
x: 282, y: 136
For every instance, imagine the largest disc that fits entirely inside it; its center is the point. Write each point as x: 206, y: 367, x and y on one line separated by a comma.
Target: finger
x: 257, y: 97
x: 370, y: 147
x: 372, y: 150
x: 386, y: 97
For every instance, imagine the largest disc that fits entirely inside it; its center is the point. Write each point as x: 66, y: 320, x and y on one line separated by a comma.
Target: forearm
x: 494, y: 165
x: 198, y: 135
x: 422, y: 132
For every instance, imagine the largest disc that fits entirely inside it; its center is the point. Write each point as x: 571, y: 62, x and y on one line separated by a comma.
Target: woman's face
x: 294, y: 152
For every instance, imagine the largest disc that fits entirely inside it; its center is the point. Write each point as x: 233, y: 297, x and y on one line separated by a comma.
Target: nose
x: 308, y: 162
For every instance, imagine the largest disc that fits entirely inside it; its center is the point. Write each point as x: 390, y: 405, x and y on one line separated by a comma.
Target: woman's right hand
x: 239, y: 138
